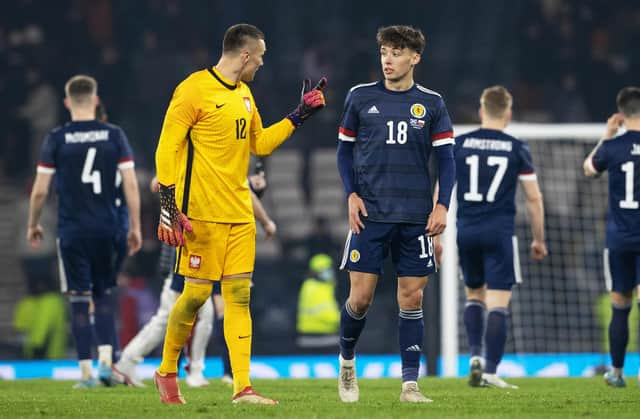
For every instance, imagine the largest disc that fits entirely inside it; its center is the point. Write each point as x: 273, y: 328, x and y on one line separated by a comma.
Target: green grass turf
x: 536, y: 398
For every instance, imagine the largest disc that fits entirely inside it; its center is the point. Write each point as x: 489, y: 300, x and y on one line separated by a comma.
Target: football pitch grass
x: 536, y: 398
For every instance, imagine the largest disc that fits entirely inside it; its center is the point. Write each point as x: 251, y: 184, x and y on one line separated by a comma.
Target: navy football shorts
x: 411, y: 251
x: 490, y: 259
x: 87, y: 265
x: 177, y: 284
x: 621, y: 269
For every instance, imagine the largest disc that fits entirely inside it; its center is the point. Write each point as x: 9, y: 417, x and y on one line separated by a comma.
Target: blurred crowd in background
x: 560, y: 58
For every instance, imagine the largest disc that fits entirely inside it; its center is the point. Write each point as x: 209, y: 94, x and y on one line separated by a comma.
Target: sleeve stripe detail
x: 47, y: 170
x: 357, y: 86
x: 528, y: 176
x: 344, y: 137
x: 347, y: 132
x: 429, y: 91
x: 446, y: 134
x: 442, y: 142
x: 128, y: 164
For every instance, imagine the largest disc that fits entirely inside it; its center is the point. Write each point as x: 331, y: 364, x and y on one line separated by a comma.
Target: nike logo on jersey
x: 220, y: 106
x: 373, y: 109
x: 635, y: 151
x: 413, y: 348
x: 430, y: 264
x: 244, y: 337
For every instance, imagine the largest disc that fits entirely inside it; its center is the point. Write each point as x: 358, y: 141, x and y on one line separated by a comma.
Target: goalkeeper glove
x: 311, y: 101
x: 172, y: 221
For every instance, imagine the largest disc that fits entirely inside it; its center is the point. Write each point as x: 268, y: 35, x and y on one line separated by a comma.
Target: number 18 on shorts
x: 411, y: 251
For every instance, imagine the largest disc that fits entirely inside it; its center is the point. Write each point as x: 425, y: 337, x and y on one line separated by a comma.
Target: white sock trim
x: 105, y: 353
x: 86, y: 369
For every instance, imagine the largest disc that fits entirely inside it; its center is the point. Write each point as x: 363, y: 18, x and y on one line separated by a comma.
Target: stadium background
x: 564, y: 62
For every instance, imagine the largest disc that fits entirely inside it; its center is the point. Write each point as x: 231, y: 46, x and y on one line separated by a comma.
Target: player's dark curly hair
x: 237, y: 35
x: 628, y: 101
x: 401, y: 36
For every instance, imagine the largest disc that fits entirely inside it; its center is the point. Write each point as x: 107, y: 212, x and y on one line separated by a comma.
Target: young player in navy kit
x: 620, y: 156
x: 387, y: 132
x: 489, y: 164
x: 85, y: 155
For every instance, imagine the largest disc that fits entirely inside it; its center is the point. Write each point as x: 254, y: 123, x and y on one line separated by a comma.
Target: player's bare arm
x: 261, y: 215
x: 356, y: 208
x: 39, y: 194
x: 614, y: 123
x: 437, y: 220
x: 535, y: 208
x: 132, y: 196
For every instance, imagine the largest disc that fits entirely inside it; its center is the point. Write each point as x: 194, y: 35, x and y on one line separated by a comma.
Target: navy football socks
x: 495, y: 338
x: 619, y: 334
x: 105, y: 322
x: 81, y: 326
x: 474, y: 312
x: 351, y: 326
x: 218, y: 333
x: 410, y: 337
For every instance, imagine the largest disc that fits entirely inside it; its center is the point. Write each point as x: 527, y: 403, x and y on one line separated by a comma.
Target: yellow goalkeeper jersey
x: 210, y: 127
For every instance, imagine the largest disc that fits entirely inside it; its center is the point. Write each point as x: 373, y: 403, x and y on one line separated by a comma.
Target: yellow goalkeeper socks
x: 237, y: 329
x: 181, y: 319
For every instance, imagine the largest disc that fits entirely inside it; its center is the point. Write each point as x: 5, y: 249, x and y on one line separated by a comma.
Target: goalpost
x: 554, y: 310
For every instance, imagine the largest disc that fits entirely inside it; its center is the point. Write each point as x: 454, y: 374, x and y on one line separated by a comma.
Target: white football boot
x: 347, y: 381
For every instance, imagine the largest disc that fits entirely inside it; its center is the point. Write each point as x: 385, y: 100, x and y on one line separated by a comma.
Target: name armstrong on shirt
x: 484, y: 144
x: 86, y: 136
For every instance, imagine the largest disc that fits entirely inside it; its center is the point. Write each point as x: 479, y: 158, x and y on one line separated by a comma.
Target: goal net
x: 557, y: 307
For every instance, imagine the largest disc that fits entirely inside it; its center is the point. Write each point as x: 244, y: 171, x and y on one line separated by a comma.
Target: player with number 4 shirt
x: 89, y: 159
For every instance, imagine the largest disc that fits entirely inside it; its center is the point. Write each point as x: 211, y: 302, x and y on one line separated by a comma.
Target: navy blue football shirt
x: 620, y: 156
x: 394, y: 133
x: 85, y: 157
x: 489, y: 164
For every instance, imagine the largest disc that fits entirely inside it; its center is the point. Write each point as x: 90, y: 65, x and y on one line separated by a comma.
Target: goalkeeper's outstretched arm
x: 265, y: 140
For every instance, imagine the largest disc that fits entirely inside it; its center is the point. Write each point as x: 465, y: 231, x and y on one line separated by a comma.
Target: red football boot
x: 248, y: 395
x: 168, y: 388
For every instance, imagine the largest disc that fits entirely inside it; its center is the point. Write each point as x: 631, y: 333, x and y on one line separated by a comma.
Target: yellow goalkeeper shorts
x: 214, y: 250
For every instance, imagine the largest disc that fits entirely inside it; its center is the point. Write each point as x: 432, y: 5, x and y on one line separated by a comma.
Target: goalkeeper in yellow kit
x: 202, y: 160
